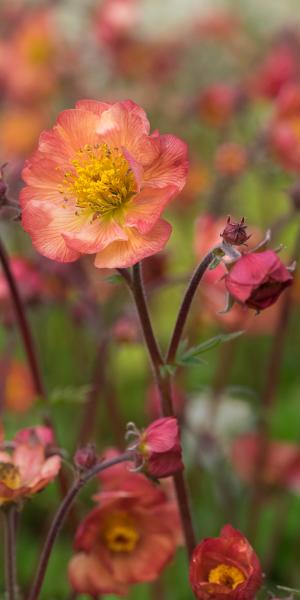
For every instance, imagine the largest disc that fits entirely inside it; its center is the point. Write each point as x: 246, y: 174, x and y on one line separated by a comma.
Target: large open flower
x: 98, y: 184
x: 128, y: 538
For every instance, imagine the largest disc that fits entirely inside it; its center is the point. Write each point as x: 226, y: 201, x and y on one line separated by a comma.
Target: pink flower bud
x: 85, y: 458
x: 159, y: 448
x: 257, y: 280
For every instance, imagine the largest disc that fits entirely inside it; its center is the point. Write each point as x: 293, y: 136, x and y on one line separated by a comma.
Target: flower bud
x: 257, y: 280
x: 235, y: 233
x: 85, y: 458
x: 158, y: 447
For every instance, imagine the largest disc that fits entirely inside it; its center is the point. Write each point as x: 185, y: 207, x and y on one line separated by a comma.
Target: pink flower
x: 98, y: 184
x: 26, y: 469
x: 257, y: 280
x: 284, y: 130
x: 129, y: 538
x: 278, y: 69
x: 225, y: 567
x: 159, y: 447
x: 217, y: 104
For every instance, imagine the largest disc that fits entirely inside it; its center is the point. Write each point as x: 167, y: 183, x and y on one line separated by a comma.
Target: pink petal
x: 123, y: 125
x: 46, y: 223
x: 95, y: 236
x: 171, y: 167
x: 146, y: 207
x: 29, y: 460
x: 124, y: 254
x: 88, y: 575
x: 93, y: 106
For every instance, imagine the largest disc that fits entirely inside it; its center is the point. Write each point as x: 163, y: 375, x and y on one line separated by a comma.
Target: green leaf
x: 194, y: 351
x: 69, y: 395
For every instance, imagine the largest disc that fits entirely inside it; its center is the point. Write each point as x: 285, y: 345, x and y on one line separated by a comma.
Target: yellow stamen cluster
x: 226, y: 575
x: 101, y: 181
x: 10, y: 475
x: 119, y: 533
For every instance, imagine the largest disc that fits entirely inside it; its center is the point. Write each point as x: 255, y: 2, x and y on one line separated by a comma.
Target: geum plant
x: 98, y: 184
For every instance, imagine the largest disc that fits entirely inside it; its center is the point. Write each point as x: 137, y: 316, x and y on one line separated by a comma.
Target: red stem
x: 10, y: 553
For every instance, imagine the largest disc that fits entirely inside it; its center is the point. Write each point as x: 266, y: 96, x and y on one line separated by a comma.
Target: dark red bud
x: 85, y: 458
x: 235, y: 233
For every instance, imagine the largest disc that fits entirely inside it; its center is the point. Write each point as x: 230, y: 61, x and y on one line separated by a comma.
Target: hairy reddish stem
x: 61, y: 514
x: 10, y: 553
x: 185, y: 307
x: 163, y: 383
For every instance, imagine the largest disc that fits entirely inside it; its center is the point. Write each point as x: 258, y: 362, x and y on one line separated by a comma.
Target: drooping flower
x: 98, y: 184
x: 26, y: 469
x: 225, y: 567
x: 281, y: 462
x: 258, y: 279
x: 129, y: 538
x: 158, y: 447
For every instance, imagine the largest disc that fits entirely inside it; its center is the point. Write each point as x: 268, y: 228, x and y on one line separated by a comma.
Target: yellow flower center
x: 10, y: 475
x: 119, y: 533
x: 101, y: 181
x: 226, y: 575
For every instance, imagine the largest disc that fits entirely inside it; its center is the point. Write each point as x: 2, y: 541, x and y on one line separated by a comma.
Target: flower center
x: 101, y: 181
x: 226, y: 575
x: 120, y: 534
x: 10, y: 475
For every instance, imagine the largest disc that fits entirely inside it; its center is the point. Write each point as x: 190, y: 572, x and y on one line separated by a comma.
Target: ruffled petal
x: 93, y: 106
x: 124, y: 254
x: 171, y: 166
x: 123, y: 125
x: 146, y: 207
x: 46, y: 223
x: 95, y: 236
x: 88, y: 575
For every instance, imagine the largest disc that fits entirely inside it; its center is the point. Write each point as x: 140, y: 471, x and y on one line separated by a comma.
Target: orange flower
x: 29, y: 69
x: 19, y: 131
x: 129, y: 538
x: 230, y: 159
x: 26, y: 469
x: 19, y: 392
x: 98, y: 184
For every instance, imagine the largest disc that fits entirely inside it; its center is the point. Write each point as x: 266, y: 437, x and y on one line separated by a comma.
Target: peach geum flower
x: 26, y: 469
x: 98, y: 183
x: 128, y: 538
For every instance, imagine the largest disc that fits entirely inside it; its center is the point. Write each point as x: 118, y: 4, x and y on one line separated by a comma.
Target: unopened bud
x: 235, y: 233
x: 85, y: 458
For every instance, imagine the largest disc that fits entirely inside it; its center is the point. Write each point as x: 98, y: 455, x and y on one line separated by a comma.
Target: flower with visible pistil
x: 225, y: 567
x: 129, y: 538
x: 26, y: 469
x: 258, y: 279
x: 98, y: 184
x: 158, y: 447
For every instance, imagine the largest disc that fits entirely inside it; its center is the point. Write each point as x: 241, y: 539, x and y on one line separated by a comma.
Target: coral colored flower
x: 281, y: 462
x: 257, y: 280
x: 284, y: 129
x: 225, y: 567
x: 129, y: 538
x: 98, y: 184
x: 217, y: 104
x: 158, y: 446
x: 230, y: 159
x: 26, y: 469
x: 31, y: 58
x: 19, y: 392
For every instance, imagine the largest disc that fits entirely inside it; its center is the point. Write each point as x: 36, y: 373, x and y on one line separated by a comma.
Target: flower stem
x: 22, y: 323
x: 10, y: 553
x: 186, y: 305
x: 163, y: 383
x: 61, y: 515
